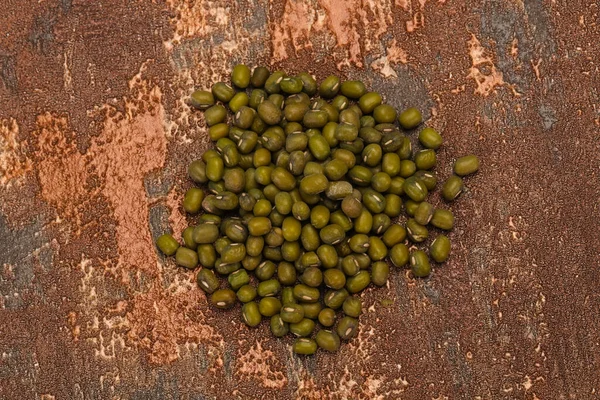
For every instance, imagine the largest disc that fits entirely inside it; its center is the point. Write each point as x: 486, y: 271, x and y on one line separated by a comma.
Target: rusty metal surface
x: 95, y: 137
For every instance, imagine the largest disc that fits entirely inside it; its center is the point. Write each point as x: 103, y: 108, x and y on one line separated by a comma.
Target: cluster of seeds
x: 304, y: 194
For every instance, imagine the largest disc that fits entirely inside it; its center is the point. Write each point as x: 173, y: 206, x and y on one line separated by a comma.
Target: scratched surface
x: 95, y: 137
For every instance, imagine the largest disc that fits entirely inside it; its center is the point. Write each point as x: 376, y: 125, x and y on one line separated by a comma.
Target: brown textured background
x: 95, y: 137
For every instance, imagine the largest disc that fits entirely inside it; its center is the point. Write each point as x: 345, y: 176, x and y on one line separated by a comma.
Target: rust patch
x: 128, y: 148
x: 351, y: 384
x: 196, y: 18
x: 295, y: 27
x: 62, y: 171
x: 262, y: 365
x: 14, y: 162
x: 131, y: 144
x: 417, y: 21
x: 395, y: 54
x: 162, y: 320
x: 158, y: 320
x: 177, y: 219
x: 416, y: 14
x: 346, y: 31
x: 342, y: 20
x: 404, y: 4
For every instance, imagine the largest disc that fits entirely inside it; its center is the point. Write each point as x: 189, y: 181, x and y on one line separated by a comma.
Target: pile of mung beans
x: 310, y: 193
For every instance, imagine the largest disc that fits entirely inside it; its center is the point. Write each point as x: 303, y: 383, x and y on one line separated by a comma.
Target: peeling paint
x: 394, y: 55
x: 483, y: 70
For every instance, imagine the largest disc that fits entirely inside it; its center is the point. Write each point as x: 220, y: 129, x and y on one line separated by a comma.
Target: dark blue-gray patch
x: 157, y: 183
x: 503, y: 22
x: 16, y: 249
x: 259, y: 19
x: 41, y: 34
x: 8, y: 71
x: 548, y: 115
x: 407, y: 90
